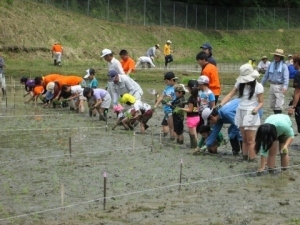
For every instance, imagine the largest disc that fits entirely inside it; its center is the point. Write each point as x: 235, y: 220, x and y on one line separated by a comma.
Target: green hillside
x: 28, y: 29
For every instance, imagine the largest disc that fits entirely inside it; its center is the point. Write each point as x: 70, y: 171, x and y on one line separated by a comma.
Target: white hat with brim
x: 205, y: 115
x: 168, y: 41
x: 247, y: 74
x: 87, y: 74
x: 106, y: 52
x: 278, y: 52
x: 50, y: 87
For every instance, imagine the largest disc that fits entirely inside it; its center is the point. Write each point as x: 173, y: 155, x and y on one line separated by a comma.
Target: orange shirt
x: 69, y: 80
x: 211, y: 71
x: 38, y: 90
x: 50, y: 78
x: 57, y: 48
x: 127, y: 65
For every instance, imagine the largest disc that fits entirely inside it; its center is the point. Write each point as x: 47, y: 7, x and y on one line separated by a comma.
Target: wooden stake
x: 6, y: 101
x: 180, y: 175
x: 160, y: 136
x: 104, y: 190
x: 70, y: 146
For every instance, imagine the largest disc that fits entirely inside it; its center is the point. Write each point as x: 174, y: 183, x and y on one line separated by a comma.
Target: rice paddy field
x: 53, y: 162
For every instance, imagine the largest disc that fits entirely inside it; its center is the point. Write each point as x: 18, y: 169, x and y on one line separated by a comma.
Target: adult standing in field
x: 263, y: 65
x: 127, y: 63
x: 123, y: 84
x: 57, y: 51
x: 278, y: 76
x: 219, y: 117
x: 207, y: 48
x: 2, y: 78
x: 295, y: 103
x: 151, y: 52
x: 211, y: 71
x: 167, y: 53
x: 113, y: 63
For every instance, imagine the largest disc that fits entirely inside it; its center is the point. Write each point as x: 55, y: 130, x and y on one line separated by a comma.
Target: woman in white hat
x: 247, y: 118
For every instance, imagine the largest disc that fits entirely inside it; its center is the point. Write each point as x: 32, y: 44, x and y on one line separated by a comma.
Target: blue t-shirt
x: 169, y: 92
x: 206, y: 98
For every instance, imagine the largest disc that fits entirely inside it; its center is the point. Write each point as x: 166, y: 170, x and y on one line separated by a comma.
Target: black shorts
x: 178, y: 123
x: 297, y: 117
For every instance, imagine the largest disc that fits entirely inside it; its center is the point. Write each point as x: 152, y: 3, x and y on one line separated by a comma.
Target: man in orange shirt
x: 211, y: 71
x: 57, y: 51
x: 127, y: 63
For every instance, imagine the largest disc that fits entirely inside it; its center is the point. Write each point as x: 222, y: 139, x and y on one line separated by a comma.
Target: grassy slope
x: 33, y: 25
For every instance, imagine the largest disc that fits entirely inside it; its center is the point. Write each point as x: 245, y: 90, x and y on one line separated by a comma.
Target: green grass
x: 31, y: 28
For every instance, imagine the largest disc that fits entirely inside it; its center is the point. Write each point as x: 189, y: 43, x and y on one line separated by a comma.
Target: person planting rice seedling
x: 77, y: 99
x: 37, y: 92
x: 102, y: 101
x: 192, y: 112
x: 145, y: 61
x: 139, y: 111
x: 217, y: 118
x: 123, y: 84
x: 177, y: 113
x: 205, y: 131
x: 275, y: 133
x: 167, y: 96
x: 247, y: 117
x: 28, y: 84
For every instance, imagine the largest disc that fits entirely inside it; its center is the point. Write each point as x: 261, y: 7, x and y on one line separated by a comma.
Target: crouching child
x: 205, y: 131
x: 102, y: 101
x: 140, y: 111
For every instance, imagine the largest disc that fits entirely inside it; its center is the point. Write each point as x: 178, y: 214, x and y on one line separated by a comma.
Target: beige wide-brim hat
x: 247, y: 74
x: 279, y: 52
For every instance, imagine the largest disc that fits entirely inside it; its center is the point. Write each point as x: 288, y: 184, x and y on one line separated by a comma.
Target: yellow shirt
x: 167, y: 49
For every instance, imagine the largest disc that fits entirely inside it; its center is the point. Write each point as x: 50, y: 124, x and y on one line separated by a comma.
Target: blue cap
x: 49, y: 95
x: 206, y: 46
x: 112, y: 75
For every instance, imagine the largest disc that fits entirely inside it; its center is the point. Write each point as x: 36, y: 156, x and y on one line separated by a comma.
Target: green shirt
x: 282, y: 123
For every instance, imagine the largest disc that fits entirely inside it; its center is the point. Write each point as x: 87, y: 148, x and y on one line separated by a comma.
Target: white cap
x: 205, y: 114
x: 106, y: 52
x: 50, y: 87
x: 168, y: 41
x: 87, y: 74
x: 203, y: 80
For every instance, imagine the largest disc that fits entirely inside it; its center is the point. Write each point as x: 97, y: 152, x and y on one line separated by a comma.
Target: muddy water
x: 142, y: 182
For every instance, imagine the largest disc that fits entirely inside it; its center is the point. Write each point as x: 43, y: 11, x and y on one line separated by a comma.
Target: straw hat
x: 278, y: 52
x: 247, y: 74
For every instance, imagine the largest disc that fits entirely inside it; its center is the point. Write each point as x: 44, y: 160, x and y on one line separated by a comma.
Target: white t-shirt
x: 140, y: 106
x: 246, y: 103
x: 77, y: 89
x: 115, y: 64
x: 262, y: 65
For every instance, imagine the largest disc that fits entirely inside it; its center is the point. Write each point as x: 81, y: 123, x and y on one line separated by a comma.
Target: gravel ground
x: 142, y: 181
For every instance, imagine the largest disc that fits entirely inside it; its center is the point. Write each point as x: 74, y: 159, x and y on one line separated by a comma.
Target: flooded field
x: 52, y: 163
